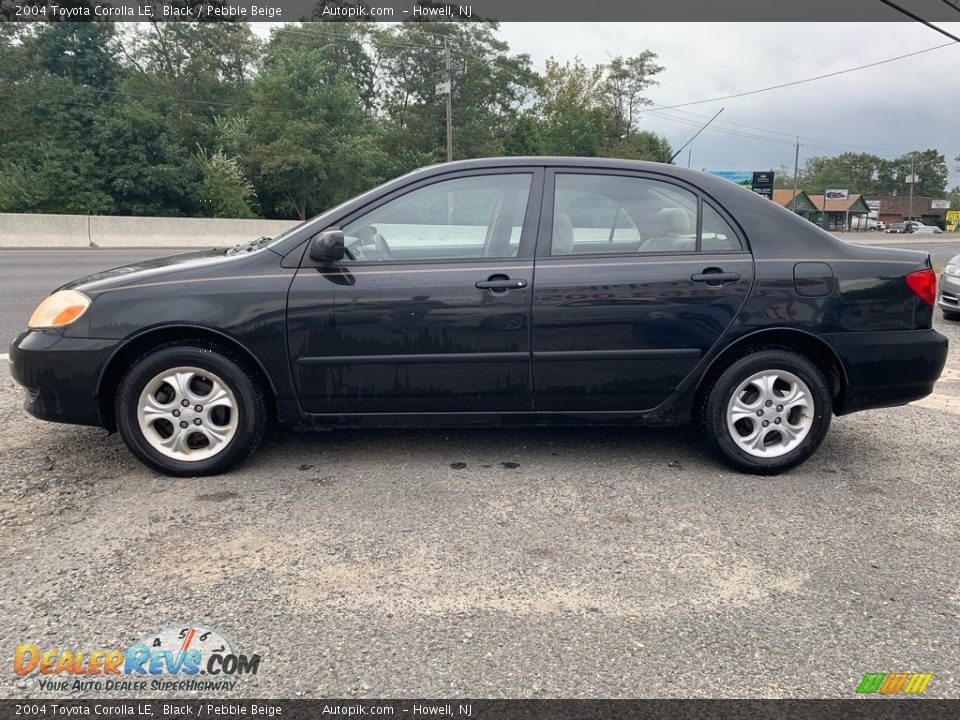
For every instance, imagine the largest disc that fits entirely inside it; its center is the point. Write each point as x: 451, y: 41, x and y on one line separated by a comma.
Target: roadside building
x: 798, y: 202
x: 839, y: 212
x: 897, y: 208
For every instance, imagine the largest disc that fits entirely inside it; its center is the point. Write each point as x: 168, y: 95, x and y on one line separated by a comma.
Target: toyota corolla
x: 496, y: 292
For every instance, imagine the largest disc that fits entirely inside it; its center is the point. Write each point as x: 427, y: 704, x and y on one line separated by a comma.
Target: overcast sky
x: 909, y: 104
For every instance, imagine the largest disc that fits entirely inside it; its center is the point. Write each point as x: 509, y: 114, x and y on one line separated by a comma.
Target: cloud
x: 888, y: 110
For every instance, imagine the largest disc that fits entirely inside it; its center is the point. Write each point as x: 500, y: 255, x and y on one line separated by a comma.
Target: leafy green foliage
x: 206, y: 119
x: 872, y: 175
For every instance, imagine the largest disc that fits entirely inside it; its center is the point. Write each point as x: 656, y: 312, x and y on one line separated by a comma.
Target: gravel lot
x: 494, y: 563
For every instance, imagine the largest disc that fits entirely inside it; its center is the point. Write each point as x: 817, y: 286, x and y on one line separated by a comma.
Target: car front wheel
x: 189, y: 411
x: 767, y: 412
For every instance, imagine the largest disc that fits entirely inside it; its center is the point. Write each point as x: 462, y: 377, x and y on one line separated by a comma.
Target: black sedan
x: 507, y: 291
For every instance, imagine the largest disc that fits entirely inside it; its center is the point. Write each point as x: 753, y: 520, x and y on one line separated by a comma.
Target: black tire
x: 251, y: 408
x: 951, y: 315
x: 712, y: 411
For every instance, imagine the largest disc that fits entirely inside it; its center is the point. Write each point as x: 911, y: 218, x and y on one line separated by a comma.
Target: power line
x: 842, y: 145
x: 919, y: 19
x: 805, y: 80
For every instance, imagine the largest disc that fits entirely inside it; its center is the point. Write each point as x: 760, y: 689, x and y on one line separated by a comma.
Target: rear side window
x: 611, y: 214
x: 716, y: 235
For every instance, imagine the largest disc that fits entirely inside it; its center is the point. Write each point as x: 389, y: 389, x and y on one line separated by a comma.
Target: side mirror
x: 327, y: 246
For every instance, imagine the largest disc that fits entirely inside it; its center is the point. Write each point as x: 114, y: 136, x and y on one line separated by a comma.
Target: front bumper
x: 948, y: 293
x: 61, y: 374
x: 884, y: 369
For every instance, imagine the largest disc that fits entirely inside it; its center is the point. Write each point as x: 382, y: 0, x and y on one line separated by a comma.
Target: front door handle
x: 500, y: 283
x: 715, y: 276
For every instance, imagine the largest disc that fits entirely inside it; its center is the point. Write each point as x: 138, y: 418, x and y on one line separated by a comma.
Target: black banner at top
x: 467, y: 709
x: 860, y: 11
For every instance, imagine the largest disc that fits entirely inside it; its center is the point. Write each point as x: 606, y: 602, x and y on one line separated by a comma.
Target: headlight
x: 60, y: 309
x: 951, y: 270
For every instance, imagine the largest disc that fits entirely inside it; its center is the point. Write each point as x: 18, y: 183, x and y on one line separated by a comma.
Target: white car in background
x: 926, y: 230
x: 867, y: 224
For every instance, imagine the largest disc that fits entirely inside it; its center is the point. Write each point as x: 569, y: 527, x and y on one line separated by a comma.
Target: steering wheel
x: 385, y: 252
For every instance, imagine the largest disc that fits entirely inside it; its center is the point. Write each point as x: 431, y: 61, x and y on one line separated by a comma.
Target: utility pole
x: 913, y: 181
x: 448, y: 77
x: 796, y: 172
x: 445, y: 87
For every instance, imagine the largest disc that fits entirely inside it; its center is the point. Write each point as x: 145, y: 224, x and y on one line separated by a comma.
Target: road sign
x: 761, y: 181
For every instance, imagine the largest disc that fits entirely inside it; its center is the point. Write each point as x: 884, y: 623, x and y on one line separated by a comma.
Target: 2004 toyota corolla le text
x: 522, y: 290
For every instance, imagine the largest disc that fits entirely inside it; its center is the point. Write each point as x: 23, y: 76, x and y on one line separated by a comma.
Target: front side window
x: 465, y: 218
x: 611, y: 214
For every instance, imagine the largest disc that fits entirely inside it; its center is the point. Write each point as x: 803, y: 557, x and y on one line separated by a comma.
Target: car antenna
x: 695, y: 134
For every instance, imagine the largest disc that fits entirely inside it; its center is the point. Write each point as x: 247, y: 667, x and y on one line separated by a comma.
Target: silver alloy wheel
x: 770, y: 413
x: 187, y: 413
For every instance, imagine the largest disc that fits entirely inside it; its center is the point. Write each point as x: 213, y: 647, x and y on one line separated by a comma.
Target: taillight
x: 924, y: 285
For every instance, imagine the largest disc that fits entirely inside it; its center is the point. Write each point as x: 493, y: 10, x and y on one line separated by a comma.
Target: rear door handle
x: 715, y: 278
x: 500, y: 284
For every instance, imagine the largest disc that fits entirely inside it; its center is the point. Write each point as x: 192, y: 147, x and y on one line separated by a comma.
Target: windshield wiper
x: 249, y: 246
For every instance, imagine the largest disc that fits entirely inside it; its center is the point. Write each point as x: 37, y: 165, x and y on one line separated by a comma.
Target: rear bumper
x: 884, y: 369
x: 60, y: 374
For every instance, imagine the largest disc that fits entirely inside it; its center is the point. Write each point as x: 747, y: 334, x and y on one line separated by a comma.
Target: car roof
x: 712, y: 184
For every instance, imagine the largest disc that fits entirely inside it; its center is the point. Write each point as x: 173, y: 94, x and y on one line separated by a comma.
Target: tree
x: 224, y: 190
x: 86, y: 53
x: 626, y: 80
x: 307, y: 112
x: 141, y: 163
x: 931, y: 171
x: 954, y: 196
x: 860, y: 172
x: 591, y: 111
x: 488, y: 91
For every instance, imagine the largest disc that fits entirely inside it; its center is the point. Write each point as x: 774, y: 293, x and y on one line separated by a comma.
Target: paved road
x: 575, y: 562
x: 27, y: 276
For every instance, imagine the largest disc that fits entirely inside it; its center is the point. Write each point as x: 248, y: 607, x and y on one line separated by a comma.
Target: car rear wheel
x: 189, y: 411
x: 767, y: 412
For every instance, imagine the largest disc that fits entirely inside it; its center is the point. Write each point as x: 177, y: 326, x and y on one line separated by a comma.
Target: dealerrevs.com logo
x: 171, y: 659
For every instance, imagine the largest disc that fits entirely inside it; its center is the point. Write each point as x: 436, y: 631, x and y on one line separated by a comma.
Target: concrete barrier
x: 107, y: 231
x: 25, y: 230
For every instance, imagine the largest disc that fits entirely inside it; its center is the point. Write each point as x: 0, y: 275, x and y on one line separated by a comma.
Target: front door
x: 432, y: 313
x: 637, y: 277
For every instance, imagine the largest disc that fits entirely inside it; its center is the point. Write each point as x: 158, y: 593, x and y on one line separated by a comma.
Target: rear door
x: 432, y: 313
x: 637, y: 277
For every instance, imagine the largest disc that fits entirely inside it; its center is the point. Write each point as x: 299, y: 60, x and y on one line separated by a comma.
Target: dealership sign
x: 837, y: 194
x: 761, y: 181
x: 940, y: 204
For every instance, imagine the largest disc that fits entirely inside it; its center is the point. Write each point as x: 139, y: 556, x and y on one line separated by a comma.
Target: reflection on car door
x: 624, y: 309
x: 434, y: 313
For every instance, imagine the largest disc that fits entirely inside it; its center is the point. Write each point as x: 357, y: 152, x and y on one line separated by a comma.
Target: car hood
x: 156, y: 269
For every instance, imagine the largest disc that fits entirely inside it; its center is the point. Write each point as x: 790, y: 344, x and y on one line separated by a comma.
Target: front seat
x: 562, y: 241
